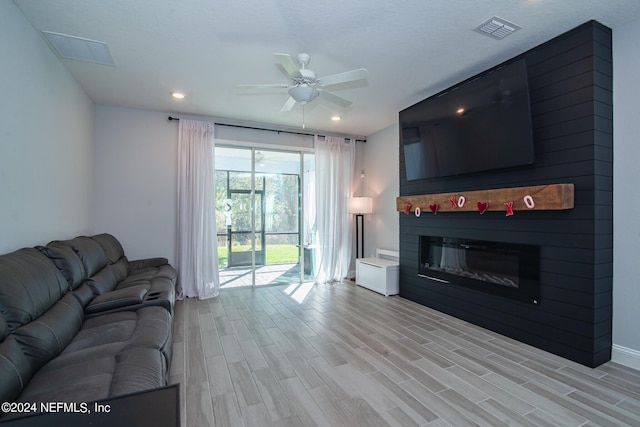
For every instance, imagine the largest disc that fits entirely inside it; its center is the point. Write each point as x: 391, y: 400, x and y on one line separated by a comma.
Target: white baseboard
x: 626, y: 356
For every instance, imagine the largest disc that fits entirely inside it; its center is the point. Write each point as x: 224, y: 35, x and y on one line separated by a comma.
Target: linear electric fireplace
x: 505, y: 269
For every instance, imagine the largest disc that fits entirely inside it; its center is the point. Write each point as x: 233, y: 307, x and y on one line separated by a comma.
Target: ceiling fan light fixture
x: 303, y: 93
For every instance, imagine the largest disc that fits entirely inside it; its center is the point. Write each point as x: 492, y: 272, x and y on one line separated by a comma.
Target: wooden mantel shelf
x: 545, y: 197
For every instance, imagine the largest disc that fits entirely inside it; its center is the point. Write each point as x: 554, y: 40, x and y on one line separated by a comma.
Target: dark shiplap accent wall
x: 570, y: 80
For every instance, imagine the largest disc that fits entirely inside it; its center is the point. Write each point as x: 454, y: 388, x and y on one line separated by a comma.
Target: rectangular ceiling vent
x: 497, y: 28
x: 79, y: 49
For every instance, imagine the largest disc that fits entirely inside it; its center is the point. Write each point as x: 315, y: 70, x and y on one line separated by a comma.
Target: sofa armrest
x: 139, y: 264
x: 132, y: 295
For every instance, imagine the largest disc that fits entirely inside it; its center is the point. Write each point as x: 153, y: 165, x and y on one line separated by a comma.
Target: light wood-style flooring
x: 341, y: 355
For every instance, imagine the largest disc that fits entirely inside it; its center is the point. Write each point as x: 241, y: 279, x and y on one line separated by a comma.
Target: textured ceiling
x: 411, y: 48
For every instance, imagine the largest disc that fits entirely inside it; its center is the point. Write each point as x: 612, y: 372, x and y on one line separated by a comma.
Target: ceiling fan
x: 305, y: 86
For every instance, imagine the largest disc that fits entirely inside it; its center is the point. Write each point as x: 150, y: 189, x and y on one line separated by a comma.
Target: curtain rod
x: 271, y: 130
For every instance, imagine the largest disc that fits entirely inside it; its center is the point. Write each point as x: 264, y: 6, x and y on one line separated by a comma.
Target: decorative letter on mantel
x: 539, y: 198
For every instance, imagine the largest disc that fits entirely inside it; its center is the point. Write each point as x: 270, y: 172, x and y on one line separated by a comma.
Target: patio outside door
x: 259, y: 216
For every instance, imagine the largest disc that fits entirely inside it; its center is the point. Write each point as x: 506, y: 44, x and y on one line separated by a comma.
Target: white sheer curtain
x: 197, y: 255
x: 335, y: 162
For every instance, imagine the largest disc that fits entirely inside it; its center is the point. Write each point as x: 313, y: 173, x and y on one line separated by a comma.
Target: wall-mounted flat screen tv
x: 481, y: 124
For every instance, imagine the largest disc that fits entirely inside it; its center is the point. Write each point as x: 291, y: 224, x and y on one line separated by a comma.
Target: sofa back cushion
x: 84, y: 294
x: 67, y: 262
x: 103, y: 281
x: 45, y: 338
x: 121, y: 269
x: 15, y: 369
x: 110, y: 245
x: 31, y: 285
x: 90, y: 253
x: 115, y: 254
x: 39, y: 317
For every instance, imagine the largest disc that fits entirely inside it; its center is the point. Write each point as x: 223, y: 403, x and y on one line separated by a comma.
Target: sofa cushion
x: 121, y: 268
x: 15, y: 369
x: 153, y: 330
x: 115, y: 254
x: 4, y: 329
x: 47, y: 336
x: 31, y: 284
x: 138, y: 369
x: 110, y: 245
x: 103, y: 281
x: 67, y: 261
x: 147, y: 274
x: 101, y: 334
x: 79, y: 382
x: 83, y: 294
x: 105, y: 376
x: 146, y: 327
x: 112, y: 354
x: 147, y: 263
x: 149, y: 280
x: 91, y: 254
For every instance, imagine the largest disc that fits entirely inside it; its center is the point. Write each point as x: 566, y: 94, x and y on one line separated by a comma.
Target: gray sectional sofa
x: 79, y: 322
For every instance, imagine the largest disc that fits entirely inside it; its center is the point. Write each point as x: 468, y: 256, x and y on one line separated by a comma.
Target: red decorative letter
x: 453, y: 202
x: 509, y: 206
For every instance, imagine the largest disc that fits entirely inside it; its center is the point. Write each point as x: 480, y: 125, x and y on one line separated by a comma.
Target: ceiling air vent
x: 70, y: 47
x: 497, y: 28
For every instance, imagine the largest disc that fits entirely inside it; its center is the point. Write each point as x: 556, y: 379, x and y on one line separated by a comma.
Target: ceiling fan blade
x: 288, y: 105
x: 288, y: 64
x: 334, y: 98
x: 348, y: 76
x: 273, y: 86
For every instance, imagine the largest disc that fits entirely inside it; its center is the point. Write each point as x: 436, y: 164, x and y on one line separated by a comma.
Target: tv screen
x: 482, y: 124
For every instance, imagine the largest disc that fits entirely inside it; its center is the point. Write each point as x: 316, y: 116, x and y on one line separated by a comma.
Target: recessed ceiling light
x: 336, y: 118
x: 177, y: 95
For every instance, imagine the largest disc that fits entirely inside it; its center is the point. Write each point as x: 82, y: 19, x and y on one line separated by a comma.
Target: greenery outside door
x: 239, y: 232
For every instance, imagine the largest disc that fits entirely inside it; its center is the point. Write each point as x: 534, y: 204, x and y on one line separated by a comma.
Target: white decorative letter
x: 528, y: 200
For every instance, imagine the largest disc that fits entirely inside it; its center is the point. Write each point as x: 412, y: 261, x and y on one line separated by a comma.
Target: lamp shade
x: 360, y: 205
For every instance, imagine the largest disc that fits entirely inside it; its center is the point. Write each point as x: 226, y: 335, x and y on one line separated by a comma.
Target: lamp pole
x: 359, y: 236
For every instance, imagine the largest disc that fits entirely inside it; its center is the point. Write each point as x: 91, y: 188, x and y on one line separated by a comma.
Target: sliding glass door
x: 259, y: 198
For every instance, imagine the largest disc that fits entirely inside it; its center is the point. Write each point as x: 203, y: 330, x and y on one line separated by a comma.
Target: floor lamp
x: 360, y: 206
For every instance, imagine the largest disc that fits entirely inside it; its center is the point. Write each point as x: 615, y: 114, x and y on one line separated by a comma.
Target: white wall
x: 626, y: 175
x: 136, y: 175
x: 46, y: 141
x: 380, y: 160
